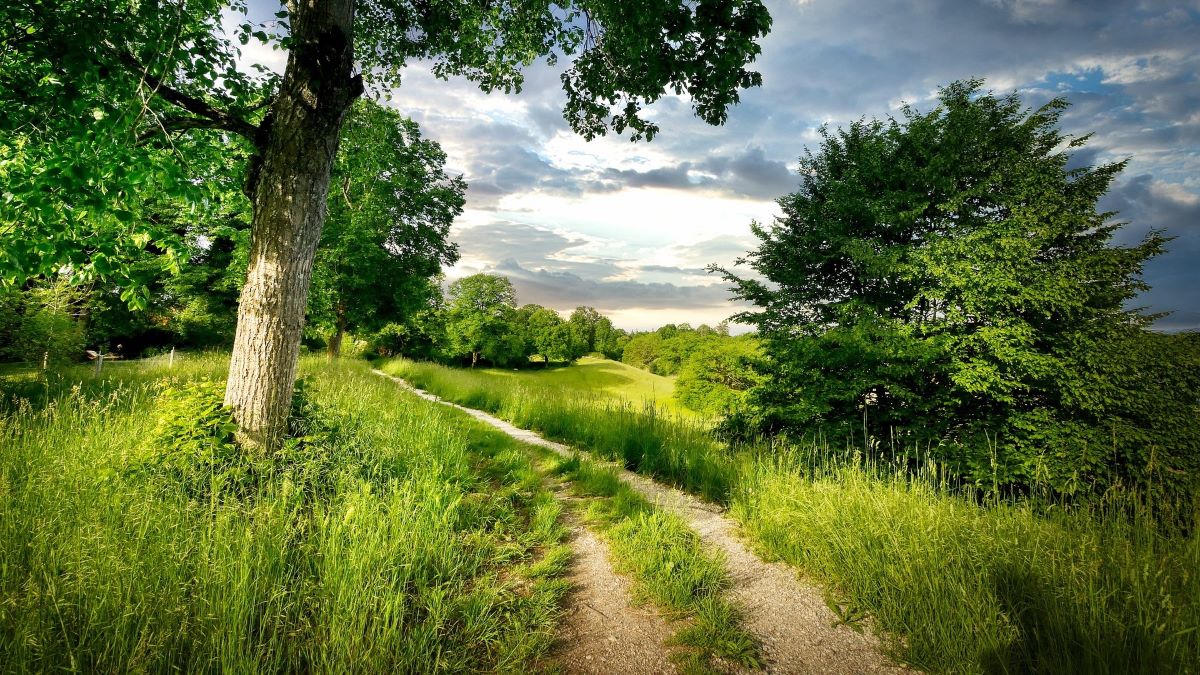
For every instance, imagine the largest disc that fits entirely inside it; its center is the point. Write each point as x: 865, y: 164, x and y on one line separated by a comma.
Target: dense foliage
x: 378, y: 263
x: 386, y: 235
x: 482, y: 322
x: 714, y: 368
x: 943, y: 284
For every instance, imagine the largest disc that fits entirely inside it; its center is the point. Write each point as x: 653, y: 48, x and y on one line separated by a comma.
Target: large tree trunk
x: 289, y: 187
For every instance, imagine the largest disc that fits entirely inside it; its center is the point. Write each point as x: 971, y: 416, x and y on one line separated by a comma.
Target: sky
x: 628, y: 228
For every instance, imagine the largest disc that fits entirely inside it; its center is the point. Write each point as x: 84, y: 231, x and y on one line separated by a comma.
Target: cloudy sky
x: 628, y: 228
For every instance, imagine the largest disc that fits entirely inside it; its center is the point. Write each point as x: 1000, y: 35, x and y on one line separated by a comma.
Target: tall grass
x: 958, y: 580
x: 677, y: 450
x: 1002, y: 586
x: 432, y: 552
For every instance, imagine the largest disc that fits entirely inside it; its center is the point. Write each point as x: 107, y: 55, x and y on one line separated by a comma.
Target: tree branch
x: 170, y: 124
x: 210, y: 117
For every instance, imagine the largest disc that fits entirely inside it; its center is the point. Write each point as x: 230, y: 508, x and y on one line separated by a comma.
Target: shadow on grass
x: 1050, y: 638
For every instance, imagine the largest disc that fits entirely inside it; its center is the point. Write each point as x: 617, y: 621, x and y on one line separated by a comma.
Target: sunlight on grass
x: 427, y: 553
x: 959, y: 580
x: 595, y: 376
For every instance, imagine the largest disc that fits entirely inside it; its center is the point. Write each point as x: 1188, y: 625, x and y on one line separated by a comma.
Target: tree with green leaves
x: 43, y: 324
x: 546, y: 334
x: 480, y: 311
x: 386, y: 234
x: 717, y: 374
x: 591, y: 332
x: 583, y: 323
x: 97, y: 96
x: 945, y: 280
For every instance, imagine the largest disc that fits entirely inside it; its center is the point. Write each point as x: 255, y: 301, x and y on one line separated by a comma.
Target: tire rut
x: 602, y: 631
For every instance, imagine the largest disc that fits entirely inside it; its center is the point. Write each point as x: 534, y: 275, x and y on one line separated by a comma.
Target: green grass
x: 956, y: 581
x: 995, y: 587
x: 675, y: 449
x: 595, y: 376
x: 669, y: 565
x: 434, y: 550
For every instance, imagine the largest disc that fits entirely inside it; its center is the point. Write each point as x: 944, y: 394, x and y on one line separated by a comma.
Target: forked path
x: 797, y: 630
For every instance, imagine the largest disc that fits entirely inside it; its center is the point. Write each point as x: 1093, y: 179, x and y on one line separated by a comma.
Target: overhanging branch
x: 209, y: 116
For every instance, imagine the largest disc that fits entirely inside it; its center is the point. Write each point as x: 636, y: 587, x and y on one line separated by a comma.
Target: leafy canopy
x: 386, y: 235
x: 479, y: 320
x: 107, y: 106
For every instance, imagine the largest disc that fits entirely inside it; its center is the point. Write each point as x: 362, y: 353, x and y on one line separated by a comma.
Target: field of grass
x: 676, y: 449
x: 427, y: 544
x: 956, y: 581
x: 595, y: 376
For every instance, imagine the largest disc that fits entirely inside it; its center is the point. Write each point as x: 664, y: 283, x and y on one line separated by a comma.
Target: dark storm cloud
x: 747, y: 175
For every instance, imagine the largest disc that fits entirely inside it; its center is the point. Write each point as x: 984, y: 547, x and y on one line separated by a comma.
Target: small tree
x: 43, y: 323
x: 479, y: 319
x: 948, y: 272
x: 546, y: 334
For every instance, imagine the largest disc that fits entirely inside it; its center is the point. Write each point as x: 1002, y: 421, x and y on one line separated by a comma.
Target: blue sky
x: 628, y: 228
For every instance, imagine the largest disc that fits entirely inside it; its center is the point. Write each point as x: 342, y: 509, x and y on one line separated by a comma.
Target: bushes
x: 41, y: 323
x: 192, y: 449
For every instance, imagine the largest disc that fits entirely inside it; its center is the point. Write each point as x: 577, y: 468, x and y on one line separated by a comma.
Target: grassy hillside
x: 594, y: 375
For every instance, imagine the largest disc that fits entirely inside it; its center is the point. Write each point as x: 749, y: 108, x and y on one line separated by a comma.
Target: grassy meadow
x: 596, y: 376
x: 426, y: 545
x: 957, y: 580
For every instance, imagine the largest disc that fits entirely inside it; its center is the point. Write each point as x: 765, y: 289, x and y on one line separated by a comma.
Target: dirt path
x: 602, y: 632
x: 797, y: 630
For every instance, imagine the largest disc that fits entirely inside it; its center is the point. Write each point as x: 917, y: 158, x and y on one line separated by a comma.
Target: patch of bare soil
x: 797, y: 630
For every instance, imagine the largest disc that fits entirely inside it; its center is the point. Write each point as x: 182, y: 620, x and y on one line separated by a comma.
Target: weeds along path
x: 797, y: 630
x: 602, y: 631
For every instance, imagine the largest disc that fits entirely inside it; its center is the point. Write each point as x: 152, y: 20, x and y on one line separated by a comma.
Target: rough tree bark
x: 289, y: 185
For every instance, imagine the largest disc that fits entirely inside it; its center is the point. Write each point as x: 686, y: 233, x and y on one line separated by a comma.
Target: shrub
x: 193, y: 449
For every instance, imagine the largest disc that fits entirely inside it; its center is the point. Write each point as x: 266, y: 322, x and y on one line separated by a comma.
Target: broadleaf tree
x: 945, y: 283
x: 479, y: 316
x: 87, y: 85
x: 387, y: 231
